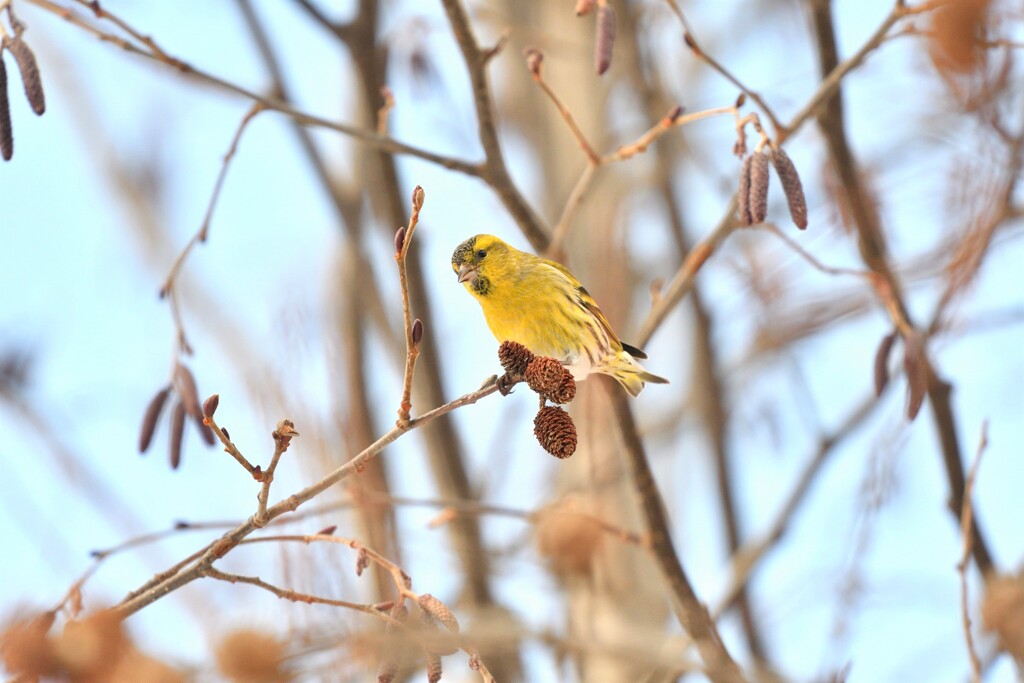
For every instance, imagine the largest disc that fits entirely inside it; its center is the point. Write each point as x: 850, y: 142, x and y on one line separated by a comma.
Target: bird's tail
x: 630, y: 374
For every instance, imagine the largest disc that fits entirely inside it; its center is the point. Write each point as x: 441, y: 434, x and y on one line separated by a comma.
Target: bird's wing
x: 583, y: 298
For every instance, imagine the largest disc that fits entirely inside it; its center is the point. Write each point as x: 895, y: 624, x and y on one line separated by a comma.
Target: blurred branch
x: 493, y: 170
x: 965, y: 530
x: 692, y: 613
x: 746, y: 559
x: 874, y: 252
x: 682, y: 281
x: 372, y: 138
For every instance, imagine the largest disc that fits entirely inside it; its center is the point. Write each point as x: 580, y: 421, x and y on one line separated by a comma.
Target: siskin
x: 541, y: 305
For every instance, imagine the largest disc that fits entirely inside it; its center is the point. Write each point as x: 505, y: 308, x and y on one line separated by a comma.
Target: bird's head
x: 478, y: 260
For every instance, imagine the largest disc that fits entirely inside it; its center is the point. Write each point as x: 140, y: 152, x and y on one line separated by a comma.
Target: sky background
x: 78, y: 295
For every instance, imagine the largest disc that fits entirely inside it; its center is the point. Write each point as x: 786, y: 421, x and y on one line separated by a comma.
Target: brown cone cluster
x: 551, y: 379
x: 553, y: 382
x: 555, y: 431
x: 514, y: 357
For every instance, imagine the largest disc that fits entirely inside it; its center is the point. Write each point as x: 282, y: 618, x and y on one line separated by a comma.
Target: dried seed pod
x: 551, y: 379
x: 29, y: 69
x: 743, y: 193
x: 433, y: 666
x: 584, y: 7
x: 514, y: 357
x: 185, y: 385
x: 6, y: 133
x: 399, y: 241
x: 555, y: 431
x: 916, y: 366
x: 791, y: 185
x: 437, y: 609
x: 152, y: 416
x: 758, y: 201
x: 882, y: 362
x: 417, y: 331
x: 177, y: 432
x: 392, y: 655
x: 210, y: 405
x: 362, y: 561
x: 605, y: 40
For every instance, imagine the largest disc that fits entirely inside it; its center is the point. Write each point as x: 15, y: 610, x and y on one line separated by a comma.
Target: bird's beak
x: 467, y: 272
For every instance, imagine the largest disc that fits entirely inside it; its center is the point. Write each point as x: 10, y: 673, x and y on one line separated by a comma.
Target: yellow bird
x: 540, y: 304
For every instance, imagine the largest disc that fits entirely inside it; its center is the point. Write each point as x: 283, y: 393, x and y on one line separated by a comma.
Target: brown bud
x: 882, y: 362
x: 226, y: 435
x: 285, y: 430
x: 177, y: 432
x: 417, y: 331
x: 514, y: 357
x: 149, y: 420
x: 743, y: 193
x: 674, y: 114
x: 791, y: 185
x: 210, y: 405
x: 417, y: 198
x: 741, y: 99
x: 437, y: 609
x: 26, y: 60
x: 584, y: 7
x: 555, y: 431
x: 185, y: 385
x: 362, y: 561
x: 534, y: 59
x: 605, y: 40
x: 915, y: 364
x: 399, y: 241
x: 551, y: 379
x: 6, y: 133
x: 758, y: 187
x: 327, y: 530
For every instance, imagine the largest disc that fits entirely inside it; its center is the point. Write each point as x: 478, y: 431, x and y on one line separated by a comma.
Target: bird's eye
x: 481, y: 253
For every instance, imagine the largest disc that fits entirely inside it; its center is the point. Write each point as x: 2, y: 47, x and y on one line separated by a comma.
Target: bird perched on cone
x: 540, y: 304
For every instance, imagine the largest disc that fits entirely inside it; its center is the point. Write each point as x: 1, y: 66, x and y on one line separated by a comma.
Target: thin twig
x: 412, y: 344
x: 180, y: 576
x: 691, y: 42
x: 201, y: 234
x: 229, y: 446
x: 382, y: 142
x: 966, y: 519
x: 810, y: 258
x: 283, y: 436
x: 295, y: 596
x: 566, y: 114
